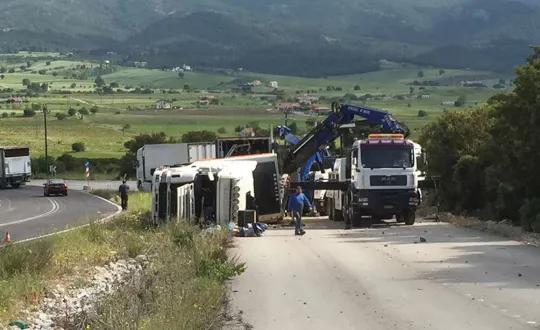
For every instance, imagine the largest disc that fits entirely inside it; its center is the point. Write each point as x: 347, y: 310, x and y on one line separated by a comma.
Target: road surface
x: 26, y: 213
x: 379, y: 279
x: 79, y: 184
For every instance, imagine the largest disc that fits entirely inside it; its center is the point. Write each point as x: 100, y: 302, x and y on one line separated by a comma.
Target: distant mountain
x: 308, y: 37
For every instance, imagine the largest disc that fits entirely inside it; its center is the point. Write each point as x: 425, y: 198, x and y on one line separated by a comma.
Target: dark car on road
x: 55, y: 187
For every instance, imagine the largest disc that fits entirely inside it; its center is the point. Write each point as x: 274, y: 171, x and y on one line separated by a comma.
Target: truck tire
x: 409, y: 217
x: 15, y: 185
x: 330, y: 208
x: 400, y: 218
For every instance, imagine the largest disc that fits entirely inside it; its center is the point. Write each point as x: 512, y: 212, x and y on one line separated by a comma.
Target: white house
x: 273, y: 84
x: 162, y: 104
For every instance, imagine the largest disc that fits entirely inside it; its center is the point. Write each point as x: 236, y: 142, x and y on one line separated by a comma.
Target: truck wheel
x: 329, y: 208
x: 400, y: 218
x: 15, y: 185
x: 410, y: 217
x: 338, y: 215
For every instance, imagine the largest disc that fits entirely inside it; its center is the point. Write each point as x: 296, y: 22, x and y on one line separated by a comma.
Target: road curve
x: 25, y: 213
x: 380, y: 279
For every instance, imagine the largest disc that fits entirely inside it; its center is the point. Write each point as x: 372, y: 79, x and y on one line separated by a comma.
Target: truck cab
x: 383, y: 175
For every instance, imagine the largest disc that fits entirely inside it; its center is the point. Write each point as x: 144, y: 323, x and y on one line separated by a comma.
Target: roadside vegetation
x: 183, y: 287
x: 487, y: 157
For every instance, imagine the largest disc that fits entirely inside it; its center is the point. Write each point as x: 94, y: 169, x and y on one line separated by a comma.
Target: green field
x: 103, y: 135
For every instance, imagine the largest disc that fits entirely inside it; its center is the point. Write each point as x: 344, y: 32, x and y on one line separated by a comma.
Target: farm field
x: 127, y: 111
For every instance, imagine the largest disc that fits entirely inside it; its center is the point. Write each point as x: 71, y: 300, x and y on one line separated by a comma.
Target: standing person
x: 123, y: 190
x: 208, y: 205
x: 296, y: 207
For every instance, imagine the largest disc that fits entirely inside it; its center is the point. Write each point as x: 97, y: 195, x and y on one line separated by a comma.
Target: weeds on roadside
x: 182, y: 289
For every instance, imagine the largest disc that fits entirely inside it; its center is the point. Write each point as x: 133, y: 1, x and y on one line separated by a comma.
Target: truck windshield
x: 392, y: 156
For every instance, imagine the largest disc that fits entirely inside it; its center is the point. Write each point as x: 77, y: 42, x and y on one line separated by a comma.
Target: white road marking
x: 55, y: 208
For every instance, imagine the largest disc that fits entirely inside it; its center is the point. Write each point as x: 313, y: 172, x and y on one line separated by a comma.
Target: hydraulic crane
x: 316, y: 140
x: 375, y: 177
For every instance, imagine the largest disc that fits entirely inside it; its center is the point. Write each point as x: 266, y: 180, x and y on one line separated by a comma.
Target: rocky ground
x: 63, y: 304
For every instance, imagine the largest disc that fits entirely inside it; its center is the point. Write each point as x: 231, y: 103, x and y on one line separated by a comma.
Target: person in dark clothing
x: 296, y: 208
x: 251, y: 204
x: 208, y: 205
x: 123, y: 190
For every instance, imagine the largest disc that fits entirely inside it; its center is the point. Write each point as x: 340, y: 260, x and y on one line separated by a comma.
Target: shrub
x: 422, y: 113
x: 29, y: 113
x: 60, y: 116
x: 78, y: 147
x: 222, y: 130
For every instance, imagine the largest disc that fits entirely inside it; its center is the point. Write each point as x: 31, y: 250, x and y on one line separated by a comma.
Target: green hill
x: 306, y: 37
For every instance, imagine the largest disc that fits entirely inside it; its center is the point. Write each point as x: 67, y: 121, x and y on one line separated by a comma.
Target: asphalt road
x: 379, y: 278
x: 26, y: 213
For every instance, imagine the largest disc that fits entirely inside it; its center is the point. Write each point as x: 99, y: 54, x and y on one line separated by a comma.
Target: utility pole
x: 44, y: 107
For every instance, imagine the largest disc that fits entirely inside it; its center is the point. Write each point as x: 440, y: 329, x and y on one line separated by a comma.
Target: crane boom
x: 316, y: 140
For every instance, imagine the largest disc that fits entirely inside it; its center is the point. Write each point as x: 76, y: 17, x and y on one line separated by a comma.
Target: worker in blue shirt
x: 296, y: 208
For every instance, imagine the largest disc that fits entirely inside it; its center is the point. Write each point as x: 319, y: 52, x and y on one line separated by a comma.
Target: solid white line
x: 118, y: 211
x: 54, y: 209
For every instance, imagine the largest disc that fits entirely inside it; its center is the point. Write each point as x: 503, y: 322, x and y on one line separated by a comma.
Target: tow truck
x: 374, y: 177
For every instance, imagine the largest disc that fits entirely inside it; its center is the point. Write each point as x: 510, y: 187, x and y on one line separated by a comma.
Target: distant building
x: 289, y: 106
x: 273, y: 84
x: 256, y: 83
x: 247, y: 132
x: 140, y: 64
x: 448, y: 102
x: 425, y: 96
x: 162, y: 104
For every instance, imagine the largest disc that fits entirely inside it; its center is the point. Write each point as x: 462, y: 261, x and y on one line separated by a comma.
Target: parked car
x: 55, y: 187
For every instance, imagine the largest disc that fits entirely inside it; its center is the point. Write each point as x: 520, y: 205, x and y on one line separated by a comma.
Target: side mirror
x: 211, y: 176
x: 424, y: 158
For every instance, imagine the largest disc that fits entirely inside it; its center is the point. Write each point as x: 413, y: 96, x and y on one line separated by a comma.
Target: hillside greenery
x: 309, y: 38
x: 487, y: 157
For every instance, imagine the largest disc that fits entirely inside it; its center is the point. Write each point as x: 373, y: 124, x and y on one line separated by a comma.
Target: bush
x: 78, y: 147
x: 29, y: 112
x: 221, y: 130
x: 422, y: 113
x: 5, y: 115
x: 60, y: 116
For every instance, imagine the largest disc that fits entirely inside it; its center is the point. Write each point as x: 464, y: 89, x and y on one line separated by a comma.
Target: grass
x: 183, y: 288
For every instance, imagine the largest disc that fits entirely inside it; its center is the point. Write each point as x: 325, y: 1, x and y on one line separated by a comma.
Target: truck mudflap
x: 386, y: 203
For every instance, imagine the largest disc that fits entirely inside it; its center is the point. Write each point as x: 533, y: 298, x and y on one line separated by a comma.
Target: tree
x: 199, y: 136
x: 2, y: 76
x: 461, y: 101
x: 357, y: 87
x: 11, y: 70
x: 422, y: 113
x: 126, y: 162
x: 411, y: 90
x: 310, y: 122
x: 73, y: 85
x: 48, y: 63
x: 420, y: 74
x: 23, y: 68
x: 72, y: 112
x: 5, y: 115
x: 99, y: 81
x: 26, y: 82
x: 181, y: 74
x: 42, y: 71
x: 94, y: 109
x: 60, y: 116
x: 114, y: 85
x: 83, y: 112
x: 187, y: 88
x: 441, y: 72
x: 29, y: 112
x: 294, y: 127
x: 221, y: 130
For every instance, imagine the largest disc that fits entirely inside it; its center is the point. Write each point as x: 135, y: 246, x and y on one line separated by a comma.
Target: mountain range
x: 302, y: 37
